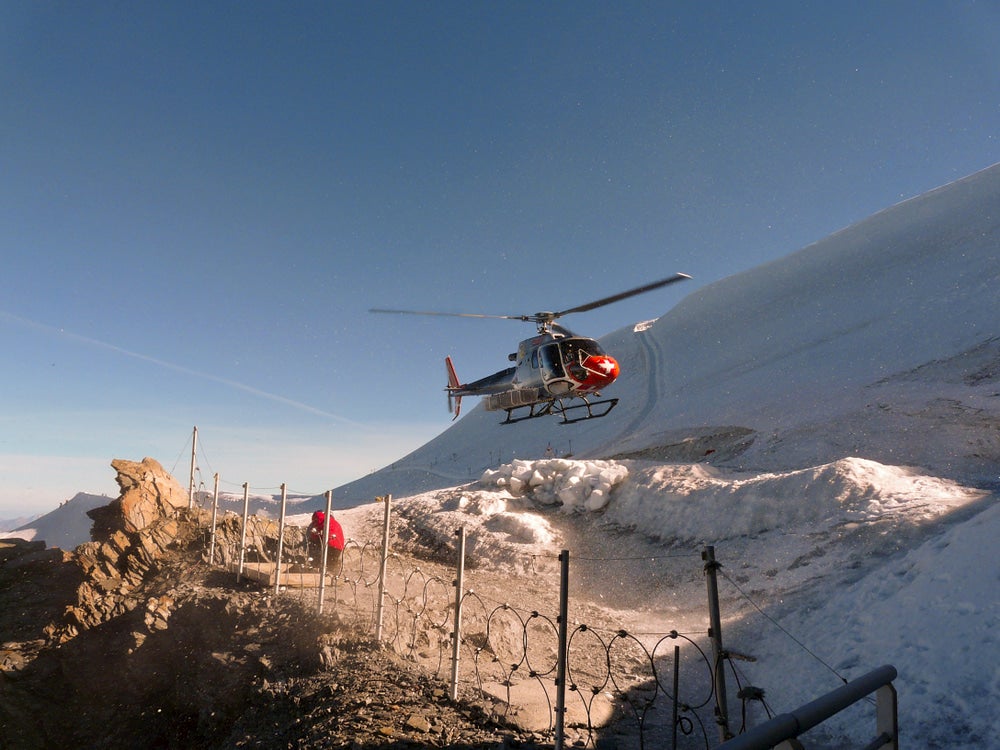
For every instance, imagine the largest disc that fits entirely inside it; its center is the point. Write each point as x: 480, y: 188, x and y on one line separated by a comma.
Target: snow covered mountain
x: 830, y: 422
x: 66, y: 527
x: 881, y: 341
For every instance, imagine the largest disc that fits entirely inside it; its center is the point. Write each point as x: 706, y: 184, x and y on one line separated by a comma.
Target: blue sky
x: 201, y: 201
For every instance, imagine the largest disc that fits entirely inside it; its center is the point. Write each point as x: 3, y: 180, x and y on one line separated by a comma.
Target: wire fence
x: 635, y: 684
x: 573, y: 678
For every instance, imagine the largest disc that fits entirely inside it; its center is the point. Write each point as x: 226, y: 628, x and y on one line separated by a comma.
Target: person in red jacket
x: 335, y: 543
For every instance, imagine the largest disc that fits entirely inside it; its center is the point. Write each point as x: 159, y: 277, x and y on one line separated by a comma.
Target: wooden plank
x: 264, y: 572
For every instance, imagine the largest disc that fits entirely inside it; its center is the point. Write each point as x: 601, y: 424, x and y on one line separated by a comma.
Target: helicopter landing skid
x: 594, y: 410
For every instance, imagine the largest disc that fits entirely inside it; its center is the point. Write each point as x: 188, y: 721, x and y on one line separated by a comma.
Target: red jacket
x: 336, y: 540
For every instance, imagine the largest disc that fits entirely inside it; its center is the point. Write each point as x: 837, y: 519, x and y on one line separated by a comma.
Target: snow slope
x: 881, y: 341
x: 68, y: 526
x: 828, y: 572
x: 829, y: 422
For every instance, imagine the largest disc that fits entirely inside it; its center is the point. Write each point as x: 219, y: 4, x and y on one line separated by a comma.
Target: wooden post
x: 194, y: 452
x: 243, y: 535
x: 326, y: 549
x: 215, y: 515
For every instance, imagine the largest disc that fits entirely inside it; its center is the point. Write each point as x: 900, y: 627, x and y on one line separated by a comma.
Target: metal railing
x: 782, y: 730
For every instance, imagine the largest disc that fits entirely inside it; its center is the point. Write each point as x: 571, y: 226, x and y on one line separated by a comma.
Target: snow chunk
x: 576, y: 486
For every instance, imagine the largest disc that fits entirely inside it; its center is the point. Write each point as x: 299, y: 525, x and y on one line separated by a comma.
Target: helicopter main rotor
x: 545, y: 319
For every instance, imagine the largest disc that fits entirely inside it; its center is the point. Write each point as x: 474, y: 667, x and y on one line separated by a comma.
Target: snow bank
x: 574, y: 485
x: 932, y: 613
x: 698, y: 502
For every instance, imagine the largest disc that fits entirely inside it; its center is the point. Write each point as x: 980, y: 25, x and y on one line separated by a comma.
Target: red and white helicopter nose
x: 602, y: 371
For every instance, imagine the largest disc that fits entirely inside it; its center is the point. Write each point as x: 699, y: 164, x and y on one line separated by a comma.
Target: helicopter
x: 551, y: 370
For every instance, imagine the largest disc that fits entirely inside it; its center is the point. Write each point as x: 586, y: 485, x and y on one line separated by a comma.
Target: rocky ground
x: 216, y: 665
x: 133, y: 640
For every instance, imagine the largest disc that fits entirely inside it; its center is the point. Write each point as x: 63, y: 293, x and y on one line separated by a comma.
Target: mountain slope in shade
x: 67, y: 527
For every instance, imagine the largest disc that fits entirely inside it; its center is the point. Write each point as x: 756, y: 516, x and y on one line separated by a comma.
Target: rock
x: 131, y: 536
x: 418, y: 722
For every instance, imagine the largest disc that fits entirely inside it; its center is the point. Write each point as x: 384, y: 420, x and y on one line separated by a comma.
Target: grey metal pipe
x: 804, y: 718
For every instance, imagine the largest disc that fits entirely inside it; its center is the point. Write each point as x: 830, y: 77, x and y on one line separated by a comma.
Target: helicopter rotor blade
x: 545, y: 318
x: 450, y: 314
x: 623, y: 295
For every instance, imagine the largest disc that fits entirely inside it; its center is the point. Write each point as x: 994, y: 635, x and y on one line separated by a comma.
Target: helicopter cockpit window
x: 575, y: 351
x: 551, y: 363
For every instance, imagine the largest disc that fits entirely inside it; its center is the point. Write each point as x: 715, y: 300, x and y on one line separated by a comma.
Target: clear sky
x: 199, y: 202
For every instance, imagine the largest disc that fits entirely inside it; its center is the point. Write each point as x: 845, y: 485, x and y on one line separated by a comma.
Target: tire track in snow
x: 653, y: 355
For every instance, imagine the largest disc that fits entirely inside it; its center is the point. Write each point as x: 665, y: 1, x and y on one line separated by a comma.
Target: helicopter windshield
x: 575, y: 351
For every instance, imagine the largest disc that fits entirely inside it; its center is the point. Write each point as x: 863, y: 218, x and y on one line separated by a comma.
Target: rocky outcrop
x: 132, y: 535
x: 148, y: 493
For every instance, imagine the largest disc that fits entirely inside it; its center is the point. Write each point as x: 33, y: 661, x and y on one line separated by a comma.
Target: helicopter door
x: 551, y: 362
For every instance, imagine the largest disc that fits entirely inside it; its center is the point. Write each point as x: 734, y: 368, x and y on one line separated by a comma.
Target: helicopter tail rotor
x: 454, y: 401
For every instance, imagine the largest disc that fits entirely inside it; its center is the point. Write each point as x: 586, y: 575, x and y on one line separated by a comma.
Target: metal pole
x: 886, y: 721
x: 243, y: 537
x: 560, y: 737
x: 677, y: 688
x: 456, y: 635
x: 281, y: 542
x: 802, y: 719
x: 381, y: 575
x: 215, y: 515
x: 326, y: 550
x: 194, y: 452
x: 715, y: 633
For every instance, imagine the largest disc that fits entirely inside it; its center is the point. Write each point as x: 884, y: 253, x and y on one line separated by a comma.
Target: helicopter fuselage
x: 551, y: 366
x: 563, y: 365
x: 550, y: 369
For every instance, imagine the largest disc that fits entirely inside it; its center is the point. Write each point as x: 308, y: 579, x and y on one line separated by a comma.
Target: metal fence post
x: 677, y: 691
x: 715, y: 633
x: 886, y: 720
x: 381, y: 575
x: 243, y: 533
x: 560, y: 737
x: 326, y: 550
x: 456, y: 635
x: 215, y: 515
x: 281, y: 542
